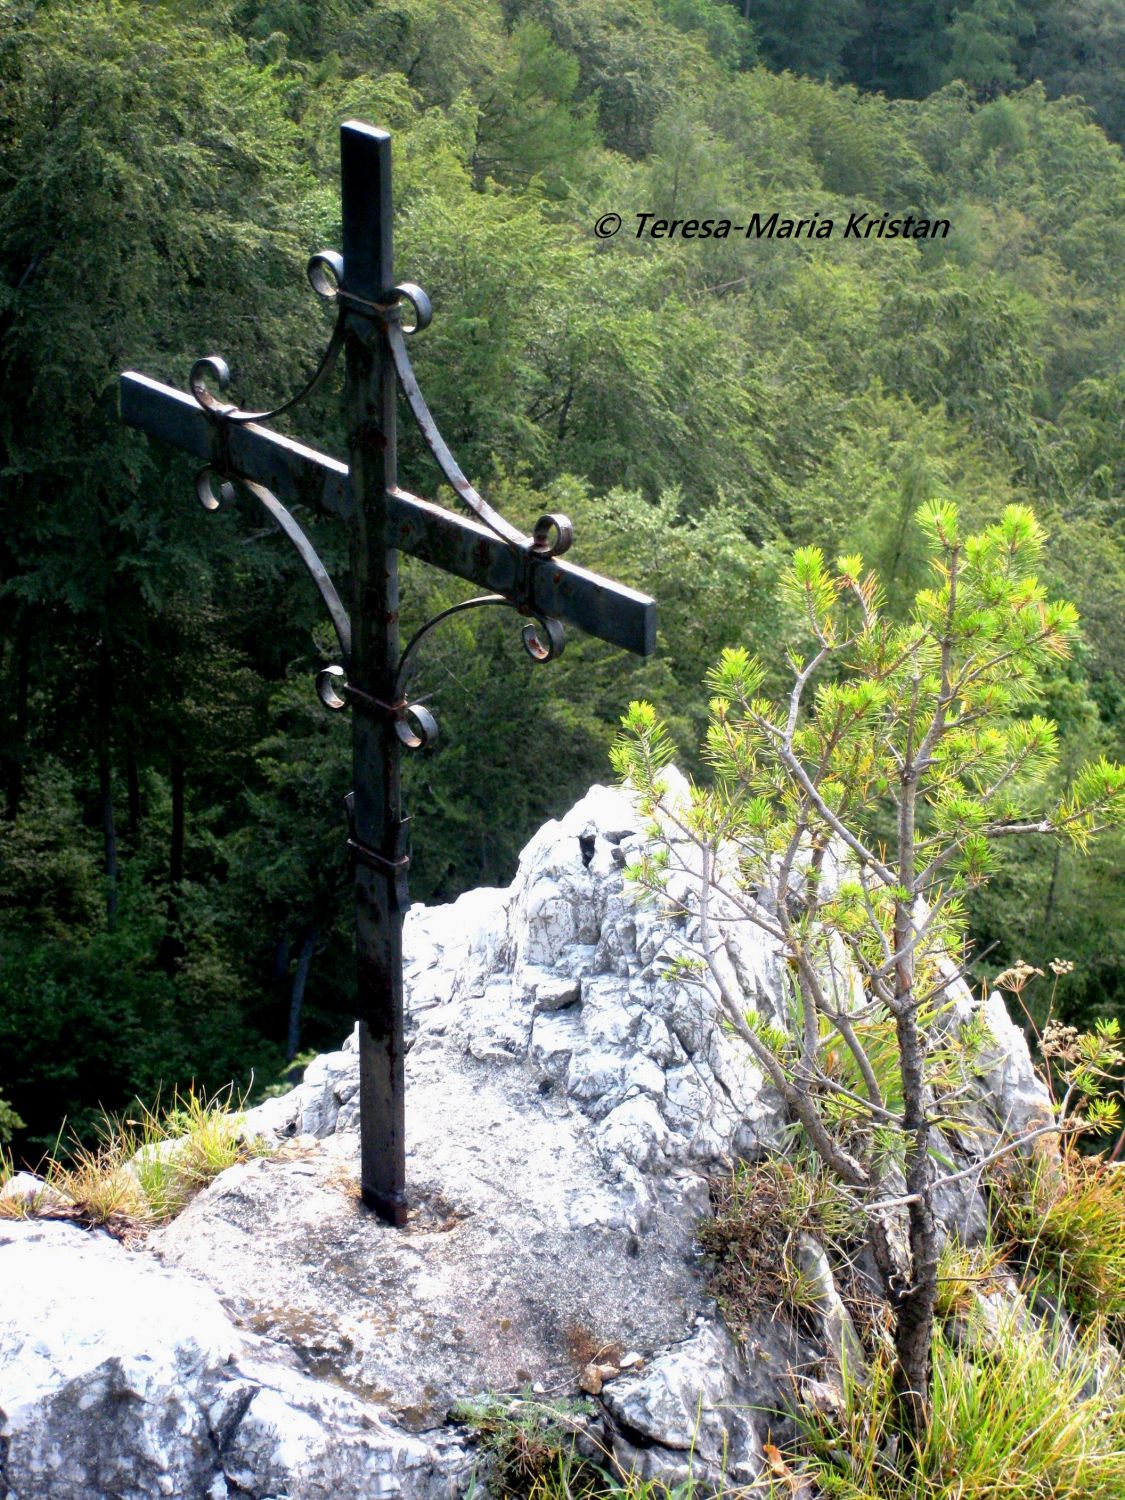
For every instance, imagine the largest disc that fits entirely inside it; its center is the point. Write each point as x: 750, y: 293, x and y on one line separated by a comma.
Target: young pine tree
x: 850, y: 822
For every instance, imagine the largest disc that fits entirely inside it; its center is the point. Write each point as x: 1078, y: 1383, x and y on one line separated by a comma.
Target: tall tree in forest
x: 120, y: 242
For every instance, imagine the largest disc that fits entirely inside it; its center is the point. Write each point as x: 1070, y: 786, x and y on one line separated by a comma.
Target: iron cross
x: 521, y: 572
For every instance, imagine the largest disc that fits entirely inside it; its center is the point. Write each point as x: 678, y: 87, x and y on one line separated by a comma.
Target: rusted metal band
x: 377, y: 861
x: 357, y: 695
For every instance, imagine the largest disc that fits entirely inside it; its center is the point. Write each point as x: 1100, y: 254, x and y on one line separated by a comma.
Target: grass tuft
x: 1030, y: 1420
x: 530, y: 1450
x: 760, y: 1211
x: 145, y: 1167
x: 966, y: 1272
x: 1068, y: 1218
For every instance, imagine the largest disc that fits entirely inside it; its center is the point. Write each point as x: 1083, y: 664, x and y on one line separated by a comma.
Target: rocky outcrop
x: 121, y: 1378
x: 561, y: 984
x: 567, y: 1096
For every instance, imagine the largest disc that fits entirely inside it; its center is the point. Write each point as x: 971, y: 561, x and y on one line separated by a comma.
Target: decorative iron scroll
x: 528, y: 575
x: 552, y: 535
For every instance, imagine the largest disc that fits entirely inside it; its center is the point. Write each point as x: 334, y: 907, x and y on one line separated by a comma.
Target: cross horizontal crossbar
x: 300, y: 475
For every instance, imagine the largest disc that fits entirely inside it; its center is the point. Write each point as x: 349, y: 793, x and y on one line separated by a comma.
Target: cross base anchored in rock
x: 557, y: 1230
x: 521, y: 572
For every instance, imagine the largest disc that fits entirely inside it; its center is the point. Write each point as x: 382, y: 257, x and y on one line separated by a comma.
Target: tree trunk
x: 170, y: 953
x: 914, y: 1304
x: 176, y: 852
x: 133, y: 791
x: 280, y: 962
x: 18, y: 754
x: 102, y: 735
x: 297, y: 995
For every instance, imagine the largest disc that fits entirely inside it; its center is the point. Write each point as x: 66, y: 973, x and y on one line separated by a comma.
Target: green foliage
x: 849, y: 821
x: 178, y: 1151
x: 1068, y: 1218
x: 529, y: 1449
x: 966, y: 1274
x: 10, y: 1122
x: 1077, y: 51
x: 48, y: 864
x: 1073, y: 46
x: 984, y: 39
x: 807, y: 38
x: 95, y: 1018
x: 953, y: 686
x: 1027, y: 1420
x: 700, y: 408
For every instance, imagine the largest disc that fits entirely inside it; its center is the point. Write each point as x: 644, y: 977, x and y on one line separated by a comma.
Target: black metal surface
x: 524, y: 573
x: 378, y: 835
x: 297, y: 474
x: 548, y: 586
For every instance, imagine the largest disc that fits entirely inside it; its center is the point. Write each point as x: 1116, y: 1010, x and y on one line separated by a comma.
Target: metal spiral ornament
x: 552, y: 535
x: 414, y: 724
x: 543, y: 639
x: 325, y: 271
x: 542, y: 636
x: 212, y: 489
x: 329, y: 682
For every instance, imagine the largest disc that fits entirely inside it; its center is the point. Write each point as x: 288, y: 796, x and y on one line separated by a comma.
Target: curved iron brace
x: 215, y: 367
x: 552, y: 534
x: 325, y: 271
x: 414, y: 724
x: 288, y: 526
x: 542, y: 647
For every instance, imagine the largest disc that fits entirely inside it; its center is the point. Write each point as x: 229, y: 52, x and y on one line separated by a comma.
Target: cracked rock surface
x: 121, y: 1378
x: 566, y: 1099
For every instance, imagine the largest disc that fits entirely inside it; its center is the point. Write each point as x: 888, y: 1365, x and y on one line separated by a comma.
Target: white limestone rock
x: 566, y: 1099
x: 844, y: 1347
x: 119, y: 1377
x: 685, y: 1416
x: 1016, y: 1096
x: 31, y: 1194
x: 562, y: 976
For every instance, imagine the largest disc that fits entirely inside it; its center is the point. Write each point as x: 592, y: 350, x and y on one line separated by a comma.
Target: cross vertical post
x: 522, y: 573
x: 378, y: 834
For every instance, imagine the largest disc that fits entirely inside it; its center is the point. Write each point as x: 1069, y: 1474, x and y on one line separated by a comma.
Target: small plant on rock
x: 851, y: 822
x: 530, y: 1446
x: 146, y: 1166
x: 1068, y: 1218
x: 760, y: 1211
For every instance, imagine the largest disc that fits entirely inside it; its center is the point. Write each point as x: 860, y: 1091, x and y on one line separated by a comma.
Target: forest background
x: 174, y: 896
